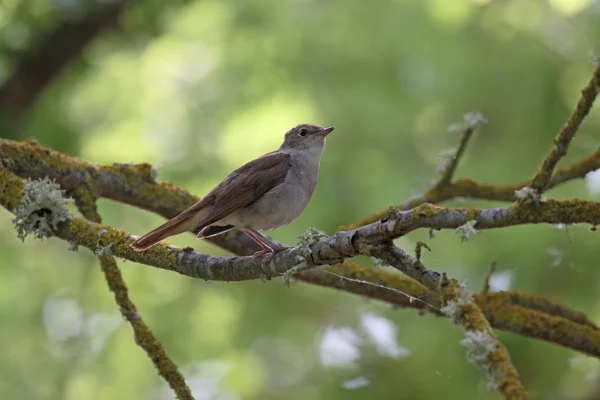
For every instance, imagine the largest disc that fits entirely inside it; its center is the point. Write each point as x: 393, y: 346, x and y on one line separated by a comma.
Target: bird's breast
x: 285, y: 202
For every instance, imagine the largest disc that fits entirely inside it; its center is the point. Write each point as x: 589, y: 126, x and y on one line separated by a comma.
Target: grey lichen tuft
x: 594, y: 58
x: 312, y: 235
x: 444, y: 159
x: 475, y: 119
x: 393, y: 213
x: 42, y: 207
x: 479, y: 345
x: 264, y: 278
x: 466, y: 230
x: 103, y: 250
x: 471, y: 120
x: 452, y: 308
x: 379, y: 263
x: 528, y: 195
x: 155, y: 170
x: 289, y: 274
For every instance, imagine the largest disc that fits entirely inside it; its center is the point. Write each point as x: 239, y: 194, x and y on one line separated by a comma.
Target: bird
x: 263, y: 194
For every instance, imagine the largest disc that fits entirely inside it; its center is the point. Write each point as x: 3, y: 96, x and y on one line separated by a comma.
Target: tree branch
x: 503, y: 314
x: 523, y: 314
x: 545, y: 178
x: 563, y: 139
x: 144, y: 337
x: 471, y: 122
x: 468, y: 188
x: 133, y: 184
x: 94, y: 236
x: 429, y: 216
x: 365, y: 240
x: 49, y: 58
x: 483, y: 346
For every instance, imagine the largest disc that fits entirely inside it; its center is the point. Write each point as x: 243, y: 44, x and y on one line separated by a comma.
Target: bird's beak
x: 327, y: 131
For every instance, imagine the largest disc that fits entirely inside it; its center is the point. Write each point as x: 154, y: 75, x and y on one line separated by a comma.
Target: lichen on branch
x: 41, y: 208
x: 484, y: 349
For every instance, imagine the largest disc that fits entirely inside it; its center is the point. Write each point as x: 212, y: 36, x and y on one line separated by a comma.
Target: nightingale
x: 266, y: 193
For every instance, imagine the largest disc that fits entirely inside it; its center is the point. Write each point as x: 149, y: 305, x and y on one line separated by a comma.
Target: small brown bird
x: 265, y: 193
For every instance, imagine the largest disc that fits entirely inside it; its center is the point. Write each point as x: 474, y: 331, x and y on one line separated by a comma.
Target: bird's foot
x: 269, y: 252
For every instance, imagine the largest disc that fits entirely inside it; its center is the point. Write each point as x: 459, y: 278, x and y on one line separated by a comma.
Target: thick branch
x: 433, y: 217
x: 365, y: 240
x: 126, y: 183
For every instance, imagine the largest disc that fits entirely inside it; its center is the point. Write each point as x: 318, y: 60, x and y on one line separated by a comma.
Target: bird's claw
x: 268, y: 253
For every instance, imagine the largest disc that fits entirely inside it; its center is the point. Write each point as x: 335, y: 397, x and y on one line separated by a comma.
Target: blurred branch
x: 563, y: 139
x: 484, y: 349
x: 486, y: 284
x: 527, y: 315
x: 380, y: 283
x: 503, y: 314
x: 46, y: 60
x: 541, y: 304
x: 472, y: 121
x: 85, y: 198
x: 546, y: 177
x: 469, y: 188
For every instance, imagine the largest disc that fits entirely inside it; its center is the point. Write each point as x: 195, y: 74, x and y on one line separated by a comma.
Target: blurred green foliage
x: 204, y: 86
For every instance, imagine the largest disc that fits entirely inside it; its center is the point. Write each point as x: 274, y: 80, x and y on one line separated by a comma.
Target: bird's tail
x: 181, y: 223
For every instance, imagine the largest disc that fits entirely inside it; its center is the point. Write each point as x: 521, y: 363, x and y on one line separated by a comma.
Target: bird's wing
x: 246, y: 184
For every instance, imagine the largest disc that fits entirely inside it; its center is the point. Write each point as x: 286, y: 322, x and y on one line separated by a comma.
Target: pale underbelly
x: 274, y: 209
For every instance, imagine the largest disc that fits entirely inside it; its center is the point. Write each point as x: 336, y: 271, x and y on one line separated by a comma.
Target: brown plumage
x: 238, y: 190
x: 265, y: 193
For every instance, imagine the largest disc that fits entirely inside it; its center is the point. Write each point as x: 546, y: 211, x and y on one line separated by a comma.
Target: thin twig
x: 486, y: 283
x: 561, y: 143
x: 472, y: 121
x: 410, y: 298
x: 144, y: 337
x: 469, y: 188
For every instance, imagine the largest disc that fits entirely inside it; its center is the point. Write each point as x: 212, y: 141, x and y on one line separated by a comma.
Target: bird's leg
x: 266, y: 240
x: 268, y: 247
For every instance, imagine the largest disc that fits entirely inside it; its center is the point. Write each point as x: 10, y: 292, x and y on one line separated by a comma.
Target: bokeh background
x: 203, y: 86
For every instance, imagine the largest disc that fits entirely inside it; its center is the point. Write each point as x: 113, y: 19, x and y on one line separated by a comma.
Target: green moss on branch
x: 483, y: 345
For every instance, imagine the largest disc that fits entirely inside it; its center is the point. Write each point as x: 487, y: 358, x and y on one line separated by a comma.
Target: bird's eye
x: 302, y: 132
